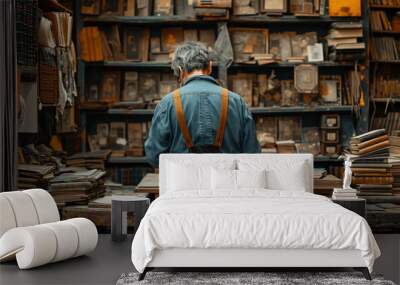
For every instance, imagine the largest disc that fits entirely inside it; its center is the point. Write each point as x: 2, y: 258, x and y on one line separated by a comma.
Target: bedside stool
x: 358, y: 205
x: 121, y: 205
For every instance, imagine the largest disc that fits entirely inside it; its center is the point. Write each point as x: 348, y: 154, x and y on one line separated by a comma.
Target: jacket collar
x: 200, y: 77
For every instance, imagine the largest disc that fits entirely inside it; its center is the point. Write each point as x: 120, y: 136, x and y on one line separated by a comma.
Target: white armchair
x: 31, y: 230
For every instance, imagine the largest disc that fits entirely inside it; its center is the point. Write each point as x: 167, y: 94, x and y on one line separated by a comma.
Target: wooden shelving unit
x: 273, y: 23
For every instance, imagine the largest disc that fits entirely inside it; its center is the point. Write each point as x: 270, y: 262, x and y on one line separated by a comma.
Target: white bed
x: 196, y: 223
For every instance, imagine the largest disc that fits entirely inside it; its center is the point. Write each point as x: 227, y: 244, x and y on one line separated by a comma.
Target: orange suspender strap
x: 223, y: 116
x: 181, y: 119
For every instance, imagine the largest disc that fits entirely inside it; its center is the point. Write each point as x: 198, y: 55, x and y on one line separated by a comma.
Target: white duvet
x: 250, y: 219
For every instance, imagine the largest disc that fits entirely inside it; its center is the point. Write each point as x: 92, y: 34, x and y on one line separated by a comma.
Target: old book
x: 306, y: 78
x: 163, y: 7
x: 137, y: 41
x: 91, y: 41
x: 247, y: 7
x: 358, y: 146
x: 345, y: 33
x: 371, y: 148
x: 114, y: 42
x: 170, y: 38
x: 155, y: 45
x: 274, y: 6
x: 102, y: 135
x: 289, y: 128
x: 135, y: 139
x: 207, y: 37
x: 345, y: 8
x: 131, y: 92
x: 92, y: 86
x: 112, y: 7
x: 242, y: 84
x: 90, y: 7
x: 212, y: 3
x: 143, y: 7
x: 247, y: 41
x: 372, y: 180
x: 110, y: 86
x: 148, y: 85
x: 267, y: 131
x: 290, y: 97
x: 117, y: 137
x: 368, y: 136
x: 300, y: 42
x: 129, y: 8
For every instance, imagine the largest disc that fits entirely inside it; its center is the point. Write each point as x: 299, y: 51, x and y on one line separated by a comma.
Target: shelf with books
x: 156, y: 65
x: 177, y: 19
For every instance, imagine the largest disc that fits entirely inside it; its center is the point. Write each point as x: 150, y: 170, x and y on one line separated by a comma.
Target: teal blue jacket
x: 201, y: 103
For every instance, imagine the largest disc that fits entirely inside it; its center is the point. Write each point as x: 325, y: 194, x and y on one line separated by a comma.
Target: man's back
x: 201, y: 101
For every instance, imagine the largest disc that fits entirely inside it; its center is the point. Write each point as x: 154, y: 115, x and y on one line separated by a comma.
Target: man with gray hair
x: 200, y: 116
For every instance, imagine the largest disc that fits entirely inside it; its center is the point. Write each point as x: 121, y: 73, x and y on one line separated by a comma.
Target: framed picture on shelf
x: 148, y: 86
x: 163, y: 7
x: 330, y: 89
x: 289, y: 128
x: 330, y: 121
x: 306, y: 78
x: 136, y: 43
x: 118, y: 135
x: 274, y: 6
x: 242, y: 84
x: 102, y: 134
x: 315, y: 53
x: 247, y: 41
x: 330, y: 135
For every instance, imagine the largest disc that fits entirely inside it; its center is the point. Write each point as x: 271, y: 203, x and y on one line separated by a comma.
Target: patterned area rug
x: 242, y: 278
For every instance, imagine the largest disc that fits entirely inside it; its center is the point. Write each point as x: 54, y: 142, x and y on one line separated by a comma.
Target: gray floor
x: 103, y: 266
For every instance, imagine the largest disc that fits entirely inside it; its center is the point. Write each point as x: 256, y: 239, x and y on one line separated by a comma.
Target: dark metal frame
x: 363, y: 270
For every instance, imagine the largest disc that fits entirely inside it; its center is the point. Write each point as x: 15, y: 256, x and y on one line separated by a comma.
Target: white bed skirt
x: 189, y: 257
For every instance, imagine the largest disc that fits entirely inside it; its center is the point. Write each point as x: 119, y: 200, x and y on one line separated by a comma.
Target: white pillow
x: 282, y: 173
x: 251, y: 178
x: 191, y: 176
x: 223, y: 179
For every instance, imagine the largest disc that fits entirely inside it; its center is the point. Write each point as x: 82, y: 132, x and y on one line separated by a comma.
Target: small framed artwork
x: 315, y: 53
x: 330, y: 149
x: 330, y: 121
x: 274, y: 6
x: 306, y: 78
x: 330, y: 136
x: 330, y: 89
x: 247, y: 41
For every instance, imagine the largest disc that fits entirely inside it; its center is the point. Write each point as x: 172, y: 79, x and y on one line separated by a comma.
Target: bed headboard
x: 208, y: 159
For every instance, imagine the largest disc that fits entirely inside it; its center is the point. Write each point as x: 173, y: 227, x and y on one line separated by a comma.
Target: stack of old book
x: 79, y: 186
x: 90, y: 160
x: 212, y: 9
x: 344, y: 194
x: 324, y: 183
x: 34, y: 176
x: 344, y: 41
x: 371, y: 168
x: 287, y: 146
x: 395, y: 162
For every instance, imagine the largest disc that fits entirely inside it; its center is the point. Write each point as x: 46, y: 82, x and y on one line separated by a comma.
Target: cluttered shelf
x: 255, y: 111
x: 155, y: 65
x: 178, y: 19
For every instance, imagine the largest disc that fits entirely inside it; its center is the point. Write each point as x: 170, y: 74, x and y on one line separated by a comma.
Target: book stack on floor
x: 344, y: 194
x: 344, y: 41
x: 90, y: 160
x: 395, y: 162
x: 34, y: 176
x: 371, y: 168
x: 324, y: 183
x: 77, y: 186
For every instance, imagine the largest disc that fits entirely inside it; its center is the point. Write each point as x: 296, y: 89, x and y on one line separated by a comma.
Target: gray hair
x: 190, y: 56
